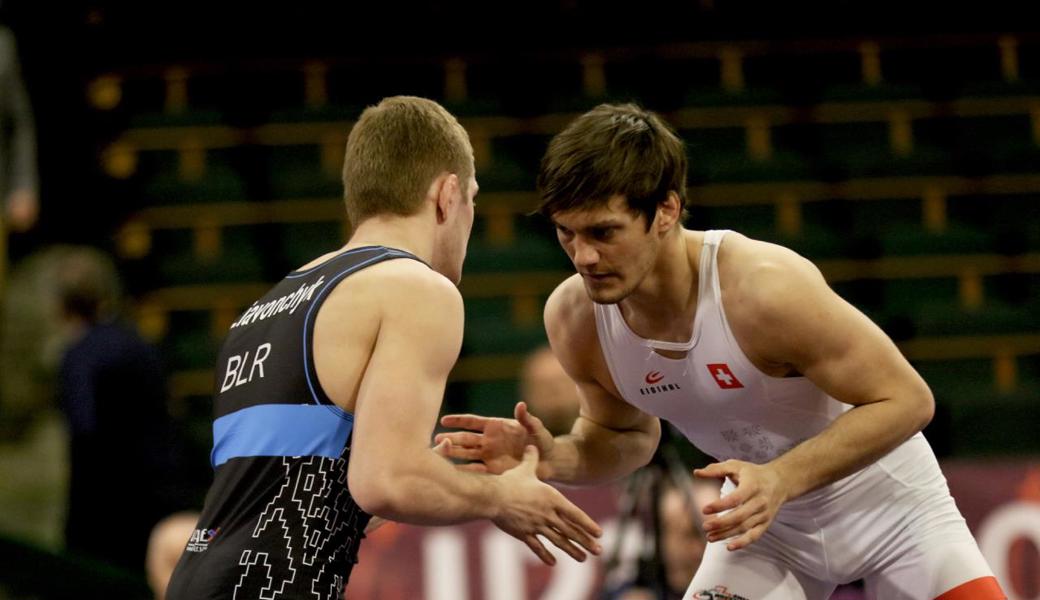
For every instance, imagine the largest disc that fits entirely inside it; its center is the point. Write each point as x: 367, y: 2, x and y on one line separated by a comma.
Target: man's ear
x: 669, y: 211
x: 446, y: 194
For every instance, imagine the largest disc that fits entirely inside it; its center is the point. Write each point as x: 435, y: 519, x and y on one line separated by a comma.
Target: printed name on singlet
x: 200, y: 539
x: 656, y: 384
x: 289, y: 302
x: 657, y: 389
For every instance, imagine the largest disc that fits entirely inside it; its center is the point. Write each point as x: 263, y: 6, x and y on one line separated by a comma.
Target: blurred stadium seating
x: 906, y: 165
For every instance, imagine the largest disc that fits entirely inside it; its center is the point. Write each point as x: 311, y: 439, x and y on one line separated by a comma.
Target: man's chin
x: 604, y: 296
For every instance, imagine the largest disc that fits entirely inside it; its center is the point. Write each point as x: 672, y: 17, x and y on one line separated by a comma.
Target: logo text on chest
x: 654, y: 378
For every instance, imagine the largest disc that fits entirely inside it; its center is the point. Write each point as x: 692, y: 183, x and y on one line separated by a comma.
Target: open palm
x: 495, y: 444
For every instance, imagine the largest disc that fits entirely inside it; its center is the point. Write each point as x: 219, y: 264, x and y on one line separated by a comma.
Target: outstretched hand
x: 497, y: 445
x: 752, y: 505
x: 533, y: 508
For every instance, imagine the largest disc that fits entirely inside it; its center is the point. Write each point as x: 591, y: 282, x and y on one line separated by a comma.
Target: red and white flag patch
x: 724, y: 376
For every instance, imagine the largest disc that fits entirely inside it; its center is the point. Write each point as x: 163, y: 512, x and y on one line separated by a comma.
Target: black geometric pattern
x: 307, y: 536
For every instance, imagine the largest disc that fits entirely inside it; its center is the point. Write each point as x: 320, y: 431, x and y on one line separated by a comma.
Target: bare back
x: 350, y: 321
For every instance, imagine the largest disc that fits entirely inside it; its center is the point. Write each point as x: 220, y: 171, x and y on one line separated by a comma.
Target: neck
x: 670, y: 289
x: 412, y: 234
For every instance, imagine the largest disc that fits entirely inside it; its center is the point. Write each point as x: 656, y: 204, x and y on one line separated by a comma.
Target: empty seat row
x: 668, y: 75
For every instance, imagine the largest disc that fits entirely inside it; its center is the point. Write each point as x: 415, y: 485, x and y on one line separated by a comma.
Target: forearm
x: 593, y: 454
x: 429, y: 490
x: 853, y: 441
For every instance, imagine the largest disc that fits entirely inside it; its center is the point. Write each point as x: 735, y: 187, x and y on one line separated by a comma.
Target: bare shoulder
x: 403, y: 293
x: 570, y: 322
x: 756, y: 275
x: 398, y: 311
x: 774, y: 300
x: 569, y: 306
x: 396, y: 286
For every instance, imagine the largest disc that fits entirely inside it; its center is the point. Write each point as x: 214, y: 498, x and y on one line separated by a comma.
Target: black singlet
x: 278, y: 521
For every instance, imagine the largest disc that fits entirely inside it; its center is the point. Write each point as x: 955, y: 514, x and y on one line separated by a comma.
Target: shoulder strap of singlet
x: 708, y: 288
x: 352, y: 252
x: 379, y: 254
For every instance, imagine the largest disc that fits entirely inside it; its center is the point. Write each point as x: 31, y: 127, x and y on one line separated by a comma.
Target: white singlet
x: 893, y: 523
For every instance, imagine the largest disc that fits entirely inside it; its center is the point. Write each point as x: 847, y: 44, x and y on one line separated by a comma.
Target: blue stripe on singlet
x: 280, y: 430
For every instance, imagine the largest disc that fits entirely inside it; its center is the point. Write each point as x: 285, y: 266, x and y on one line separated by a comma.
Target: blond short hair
x: 396, y: 149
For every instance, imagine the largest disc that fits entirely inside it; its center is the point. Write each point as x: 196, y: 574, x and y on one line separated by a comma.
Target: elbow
x: 373, y: 495
x: 652, y: 439
x: 924, y: 407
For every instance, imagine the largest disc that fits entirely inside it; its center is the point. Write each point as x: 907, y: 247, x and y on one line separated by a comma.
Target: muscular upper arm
x: 784, y: 313
x: 571, y: 328
x: 418, y: 341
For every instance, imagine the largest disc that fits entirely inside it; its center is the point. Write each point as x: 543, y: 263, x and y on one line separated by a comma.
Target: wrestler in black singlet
x: 279, y: 521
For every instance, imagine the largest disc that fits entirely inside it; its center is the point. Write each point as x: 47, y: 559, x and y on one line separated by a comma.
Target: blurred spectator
x: 30, y: 342
x: 549, y: 392
x: 681, y: 545
x: 18, y: 177
x: 112, y: 389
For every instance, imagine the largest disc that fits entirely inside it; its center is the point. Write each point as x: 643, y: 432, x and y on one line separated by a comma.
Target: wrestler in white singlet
x: 893, y: 523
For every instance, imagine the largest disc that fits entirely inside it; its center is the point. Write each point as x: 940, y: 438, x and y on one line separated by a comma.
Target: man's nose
x: 584, y: 254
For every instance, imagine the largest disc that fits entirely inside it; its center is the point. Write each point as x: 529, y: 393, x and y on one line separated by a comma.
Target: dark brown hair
x: 614, y: 149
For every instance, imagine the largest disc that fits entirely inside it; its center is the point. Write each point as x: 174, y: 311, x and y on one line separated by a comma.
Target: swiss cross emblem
x: 724, y: 377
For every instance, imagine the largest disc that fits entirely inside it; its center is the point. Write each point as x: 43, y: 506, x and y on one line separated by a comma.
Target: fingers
x: 462, y: 445
x: 460, y: 438
x: 751, y: 505
x: 560, y: 541
x: 741, y: 494
x: 717, y: 470
x: 375, y: 523
x: 472, y: 422
x: 736, y: 522
x: 733, y: 517
x: 727, y: 502
x: 747, y: 538
x: 459, y: 453
x: 443, y: 448
x: 447, y: 449
x: 530, y: 422
x: 530, y: 461
x: 539, y: 550
x: 577, y: 516
x: 575, y: 533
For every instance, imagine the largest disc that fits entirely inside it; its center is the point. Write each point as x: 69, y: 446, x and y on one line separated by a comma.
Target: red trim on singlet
x: 983, y: 588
